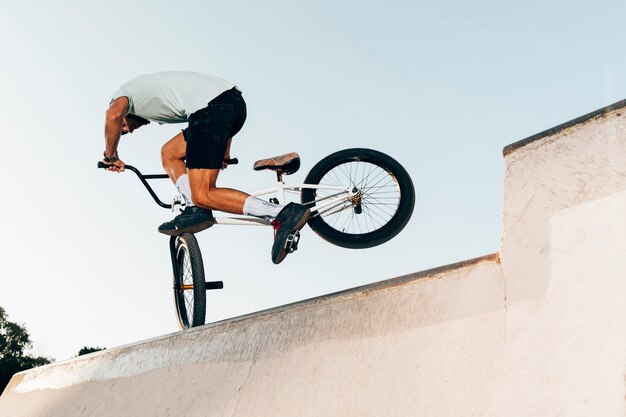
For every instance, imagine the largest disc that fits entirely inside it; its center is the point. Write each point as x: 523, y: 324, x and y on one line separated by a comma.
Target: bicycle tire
x: 189, y: 283
x: 389, y: 206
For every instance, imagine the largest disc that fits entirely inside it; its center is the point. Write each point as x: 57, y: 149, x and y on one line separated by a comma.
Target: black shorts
x: 210, y: 128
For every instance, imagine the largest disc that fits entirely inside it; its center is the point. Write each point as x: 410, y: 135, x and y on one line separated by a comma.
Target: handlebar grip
x: 103, y: 165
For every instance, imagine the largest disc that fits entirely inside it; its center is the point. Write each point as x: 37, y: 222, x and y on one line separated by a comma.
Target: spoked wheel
x: 380, y: 203
x: 189, y: 284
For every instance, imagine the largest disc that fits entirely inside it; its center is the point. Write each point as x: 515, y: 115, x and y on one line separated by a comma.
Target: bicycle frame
x: 340, y: 200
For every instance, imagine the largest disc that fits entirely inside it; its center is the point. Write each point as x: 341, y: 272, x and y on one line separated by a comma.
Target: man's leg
x: 173, y: 157
x: 288, y: 219
x: 192, y: 219
x: 206, y: 194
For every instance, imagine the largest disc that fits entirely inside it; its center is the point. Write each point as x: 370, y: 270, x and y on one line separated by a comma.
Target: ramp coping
x: 549, y: 132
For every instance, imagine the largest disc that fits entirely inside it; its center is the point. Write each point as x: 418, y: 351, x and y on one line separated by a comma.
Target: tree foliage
x: 14, y: 345
x: 88, y: 349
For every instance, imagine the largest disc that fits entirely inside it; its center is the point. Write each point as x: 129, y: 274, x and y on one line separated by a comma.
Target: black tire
x: 386, y: 205
x: 189, y: 287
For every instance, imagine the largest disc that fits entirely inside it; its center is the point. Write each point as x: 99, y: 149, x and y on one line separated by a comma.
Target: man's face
x: 129, y: 125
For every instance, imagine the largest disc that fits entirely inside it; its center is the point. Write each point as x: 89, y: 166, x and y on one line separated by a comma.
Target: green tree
x: 88, y: 349
x: 14, y: 344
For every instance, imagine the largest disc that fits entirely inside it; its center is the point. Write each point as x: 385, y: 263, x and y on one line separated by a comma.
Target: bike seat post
x: 281, y: 191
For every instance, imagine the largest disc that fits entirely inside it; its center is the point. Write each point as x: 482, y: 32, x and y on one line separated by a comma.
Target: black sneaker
x: 192, y: 220
x: 291, y: 218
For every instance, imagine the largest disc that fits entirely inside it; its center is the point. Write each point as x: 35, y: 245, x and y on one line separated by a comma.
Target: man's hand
x: 117, y: 166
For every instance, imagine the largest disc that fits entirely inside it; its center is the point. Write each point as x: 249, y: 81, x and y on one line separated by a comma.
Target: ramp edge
x: 549, y: 132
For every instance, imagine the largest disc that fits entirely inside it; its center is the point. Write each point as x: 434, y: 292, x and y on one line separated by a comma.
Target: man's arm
x: 113, y: 122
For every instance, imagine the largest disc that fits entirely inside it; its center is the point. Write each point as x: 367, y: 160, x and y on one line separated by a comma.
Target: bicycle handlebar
x: 143, y: 178
x: 232, y: 161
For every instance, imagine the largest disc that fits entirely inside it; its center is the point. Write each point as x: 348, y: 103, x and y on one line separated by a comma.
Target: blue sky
x: 440, y: 86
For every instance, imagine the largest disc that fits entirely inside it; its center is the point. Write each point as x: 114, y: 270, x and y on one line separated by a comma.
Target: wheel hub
x: 356, y: 200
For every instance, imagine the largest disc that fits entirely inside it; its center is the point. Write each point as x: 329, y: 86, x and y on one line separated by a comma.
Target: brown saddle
x: 282, y: 164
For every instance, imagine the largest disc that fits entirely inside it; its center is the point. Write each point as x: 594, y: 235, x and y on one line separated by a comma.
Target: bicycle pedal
x: 178, y: 204
x: 291, y: 245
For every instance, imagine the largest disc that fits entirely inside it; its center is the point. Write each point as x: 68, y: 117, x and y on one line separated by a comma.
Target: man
x: 215, y: 111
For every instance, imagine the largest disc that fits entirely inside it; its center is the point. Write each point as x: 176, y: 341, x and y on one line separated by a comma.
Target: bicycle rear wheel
x: 382, y: 206
x: 189, y: 283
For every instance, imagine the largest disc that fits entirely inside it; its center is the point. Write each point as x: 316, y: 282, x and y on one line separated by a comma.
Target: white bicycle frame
x: 342, y: 196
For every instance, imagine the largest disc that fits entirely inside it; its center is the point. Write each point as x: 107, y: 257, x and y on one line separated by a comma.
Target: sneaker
x: 291, y: 219
x: 193, y: 219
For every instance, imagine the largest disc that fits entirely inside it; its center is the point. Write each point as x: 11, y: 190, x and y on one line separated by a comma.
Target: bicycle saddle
x: 284, y: 164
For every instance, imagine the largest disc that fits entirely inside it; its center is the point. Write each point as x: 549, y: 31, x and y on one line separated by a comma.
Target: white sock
x: 256, y: 207
x: 182, y: 185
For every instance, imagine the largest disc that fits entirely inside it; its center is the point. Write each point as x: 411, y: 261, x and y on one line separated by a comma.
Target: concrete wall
x: 536, y: 330
x: 563, y: 259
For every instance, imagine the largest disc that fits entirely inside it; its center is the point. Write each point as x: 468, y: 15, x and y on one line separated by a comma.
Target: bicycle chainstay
x: 345, y: 207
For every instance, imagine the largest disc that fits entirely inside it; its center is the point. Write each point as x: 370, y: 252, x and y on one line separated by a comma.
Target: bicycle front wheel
x: 189, y: 283
x: 380, y: 206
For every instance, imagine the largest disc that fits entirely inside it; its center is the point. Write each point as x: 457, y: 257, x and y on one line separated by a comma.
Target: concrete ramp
x: 538, y: 329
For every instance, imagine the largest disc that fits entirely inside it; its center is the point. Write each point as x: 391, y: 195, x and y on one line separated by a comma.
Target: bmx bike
x: 359, y: 198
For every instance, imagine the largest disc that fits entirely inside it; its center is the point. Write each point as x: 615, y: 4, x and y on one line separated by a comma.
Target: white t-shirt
x: 171, y: 96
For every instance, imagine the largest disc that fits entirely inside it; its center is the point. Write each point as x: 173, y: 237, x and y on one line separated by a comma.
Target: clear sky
x: 441, y: 86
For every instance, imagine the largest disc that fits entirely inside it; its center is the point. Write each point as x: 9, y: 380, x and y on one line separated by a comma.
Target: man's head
x: 132, y: 122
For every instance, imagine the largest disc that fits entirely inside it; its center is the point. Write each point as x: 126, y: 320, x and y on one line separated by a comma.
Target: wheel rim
x: 184, y: 287
x: 378, y: 203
